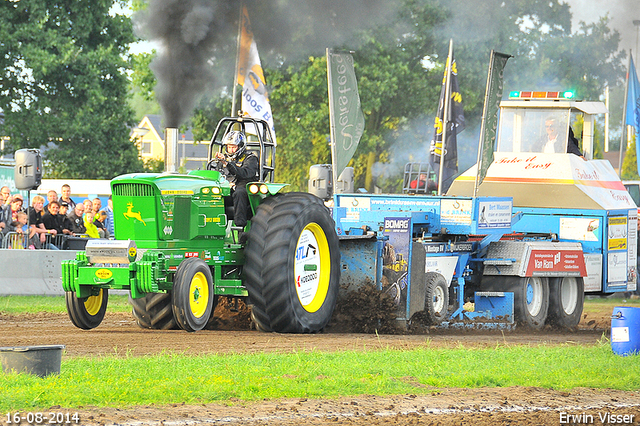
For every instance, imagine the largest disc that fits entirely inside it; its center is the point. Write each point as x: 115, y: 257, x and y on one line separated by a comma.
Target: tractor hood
x: 548, y: 180
x: 173, y: 183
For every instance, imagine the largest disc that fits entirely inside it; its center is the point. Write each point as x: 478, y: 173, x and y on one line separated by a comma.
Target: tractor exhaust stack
x: 171, y: 149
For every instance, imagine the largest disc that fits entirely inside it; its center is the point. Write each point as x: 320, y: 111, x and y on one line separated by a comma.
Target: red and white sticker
x: 567, y: 261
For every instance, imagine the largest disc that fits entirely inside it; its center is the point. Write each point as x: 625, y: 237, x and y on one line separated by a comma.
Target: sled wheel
x: 154, y: 311
x: 192, y: 295
x: 87, y: 312
x: 566, y: 300
x: 436, y: 303
x: 293, y: 285
x: 531, y: 301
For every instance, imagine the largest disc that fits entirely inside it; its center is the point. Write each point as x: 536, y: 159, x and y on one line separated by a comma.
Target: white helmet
x: 238, y: 139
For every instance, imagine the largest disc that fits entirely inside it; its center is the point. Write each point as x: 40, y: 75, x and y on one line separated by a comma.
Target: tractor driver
x: 241, y: 168
x: 555, y: 139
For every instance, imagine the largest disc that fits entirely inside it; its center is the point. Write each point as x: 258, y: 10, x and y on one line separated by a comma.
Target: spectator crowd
x: 46, y: 226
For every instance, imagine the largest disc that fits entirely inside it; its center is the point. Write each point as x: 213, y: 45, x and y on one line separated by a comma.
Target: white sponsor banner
x: 581, y: 229
x: 444, y: 265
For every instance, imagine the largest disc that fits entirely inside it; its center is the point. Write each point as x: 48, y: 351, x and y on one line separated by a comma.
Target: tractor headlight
x: 253, y: 188
x: 264, y: 188
x: 215, y: 190
x: 205, y: 190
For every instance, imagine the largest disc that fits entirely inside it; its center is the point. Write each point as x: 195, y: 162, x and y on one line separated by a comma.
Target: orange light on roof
x: 541, y: 95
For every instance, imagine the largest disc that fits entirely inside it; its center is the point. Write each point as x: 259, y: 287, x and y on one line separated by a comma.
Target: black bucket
x: 38, y: 360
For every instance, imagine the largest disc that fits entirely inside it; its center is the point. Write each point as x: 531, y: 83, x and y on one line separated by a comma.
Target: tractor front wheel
x: 87, y: 312
x: 192, y: 295
x: 292, y: 270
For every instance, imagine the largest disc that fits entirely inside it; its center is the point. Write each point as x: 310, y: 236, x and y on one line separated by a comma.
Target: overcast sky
x: 622, y: 13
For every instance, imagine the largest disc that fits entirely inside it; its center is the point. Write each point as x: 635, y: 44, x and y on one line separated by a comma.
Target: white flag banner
x: 255, y: 98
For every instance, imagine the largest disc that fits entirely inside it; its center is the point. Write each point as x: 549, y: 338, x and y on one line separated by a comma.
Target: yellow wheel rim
x: 94, y: 303
x: 198, y: 294
x: 312, y: 268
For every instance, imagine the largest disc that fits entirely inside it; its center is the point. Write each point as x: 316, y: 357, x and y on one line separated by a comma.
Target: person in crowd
x: 88, y: 205
x: 8, y: 213
x: 96, y: 205
x: 16, y: 225
x: 101, y: 216
x: 22, y: 237
x: 35, y: 212
x: 6, y: 193
x: 77, y: 223
x: 51, y: 223
x: 66, y: 196
x: 108, y: 223
x: 16, y: 206
x: 65, y: 222
x: 52, y: 195
x: 91, y: 228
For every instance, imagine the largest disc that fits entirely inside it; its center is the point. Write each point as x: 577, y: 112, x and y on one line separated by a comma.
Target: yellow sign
x: 617, y: 233
x: 104, y: 274
x: 132, y: 252
x: 177, y: 192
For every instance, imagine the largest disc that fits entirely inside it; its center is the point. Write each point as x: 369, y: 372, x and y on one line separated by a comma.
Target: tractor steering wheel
x: 214, y: 164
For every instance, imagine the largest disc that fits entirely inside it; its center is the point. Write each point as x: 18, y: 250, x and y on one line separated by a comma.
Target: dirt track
x: 119, y: 334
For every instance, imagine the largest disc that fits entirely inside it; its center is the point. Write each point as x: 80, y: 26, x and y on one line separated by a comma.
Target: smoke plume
x: 197, y: 39
x: 621, y: 13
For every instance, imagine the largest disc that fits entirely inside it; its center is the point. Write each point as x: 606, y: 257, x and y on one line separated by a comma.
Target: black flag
x: 455, y: 124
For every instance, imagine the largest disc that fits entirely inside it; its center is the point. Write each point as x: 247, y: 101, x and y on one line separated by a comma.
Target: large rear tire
x: 192, y: 295
x: 531, y: 301
x: 566, y: 300
x: 87, y: 312
x: 292, y: 269
x: 436, y: 303
x: 154, y: 311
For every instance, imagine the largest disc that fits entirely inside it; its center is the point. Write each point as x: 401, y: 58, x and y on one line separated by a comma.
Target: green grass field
x: 177, y: 378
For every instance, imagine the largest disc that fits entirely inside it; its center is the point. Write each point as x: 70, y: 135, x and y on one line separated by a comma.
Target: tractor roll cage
x: 259, y: 141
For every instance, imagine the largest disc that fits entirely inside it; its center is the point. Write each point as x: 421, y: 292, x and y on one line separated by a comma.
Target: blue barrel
x: 625, y: 330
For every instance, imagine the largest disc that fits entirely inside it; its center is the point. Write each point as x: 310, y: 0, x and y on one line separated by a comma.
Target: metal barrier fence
x: 17, y: 241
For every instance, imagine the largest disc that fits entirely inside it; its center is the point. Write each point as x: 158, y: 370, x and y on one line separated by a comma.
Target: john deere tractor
x: 176, y: 249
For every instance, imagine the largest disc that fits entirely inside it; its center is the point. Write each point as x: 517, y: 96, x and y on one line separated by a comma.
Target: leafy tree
x: 394, y: 89
x: 65, y: 85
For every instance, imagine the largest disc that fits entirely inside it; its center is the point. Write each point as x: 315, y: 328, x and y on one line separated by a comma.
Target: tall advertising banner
x: 255, y: 98
x: 395, y: 261
x: 633, y: 104
x: 490, y: 114
x: 345, y: 112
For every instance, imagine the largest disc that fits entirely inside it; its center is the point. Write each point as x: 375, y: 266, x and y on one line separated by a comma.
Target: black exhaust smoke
x: 197, y: 39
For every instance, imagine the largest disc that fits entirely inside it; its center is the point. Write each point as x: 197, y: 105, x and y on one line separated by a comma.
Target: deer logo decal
x: 131, y: 214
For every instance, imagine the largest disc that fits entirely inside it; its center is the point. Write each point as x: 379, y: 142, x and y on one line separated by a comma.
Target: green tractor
x: 176, y: 249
